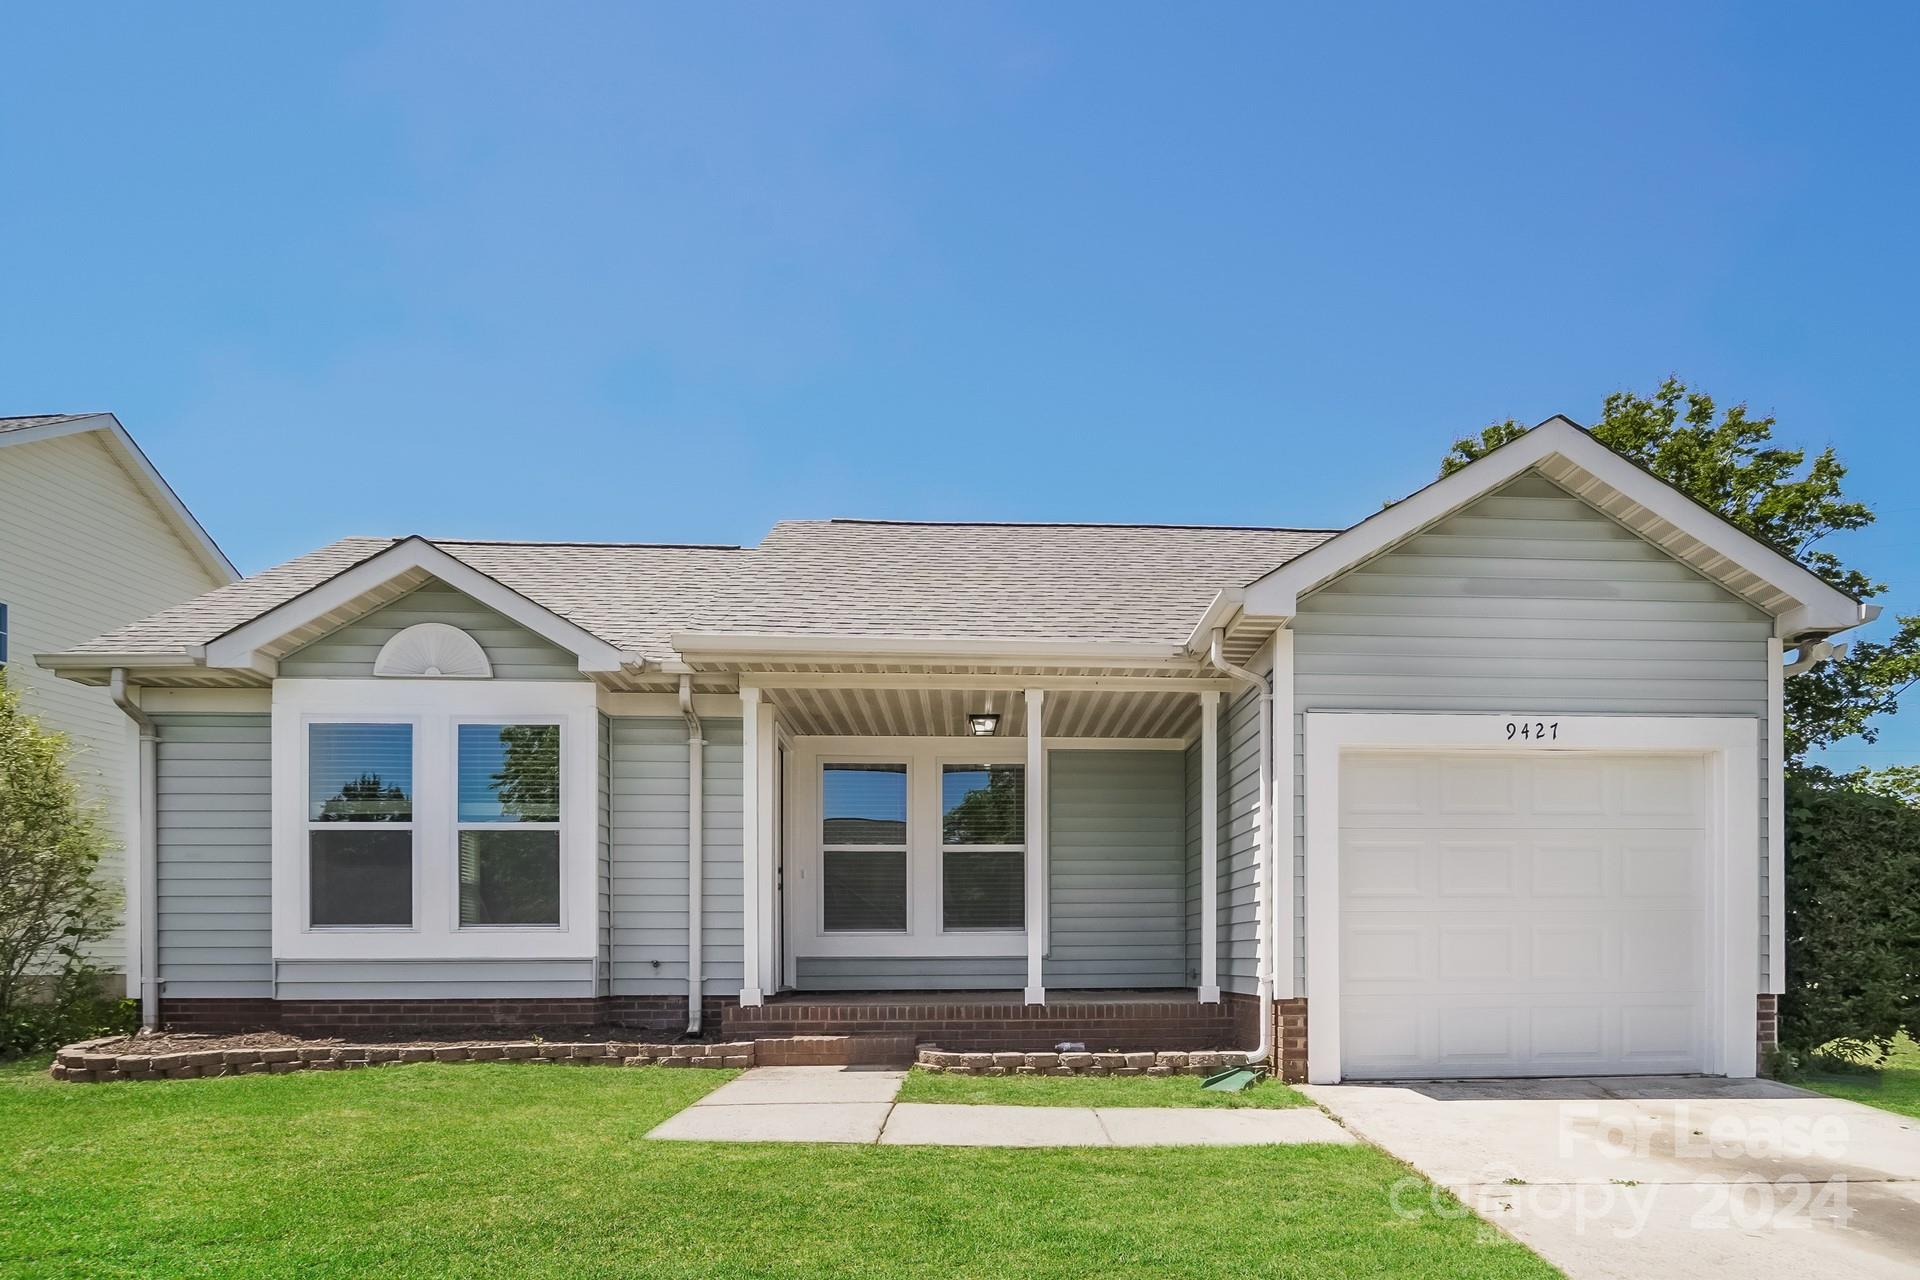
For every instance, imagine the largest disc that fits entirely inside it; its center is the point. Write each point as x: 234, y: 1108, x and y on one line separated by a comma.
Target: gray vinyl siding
x: 647, y: 846
x: 1527, y: 600
x: 1116, y: 849
x: 1238, y: 908
x: 515, y: 652
x: 464, y: 979
x: 910, y: 973
x: 215, y: 855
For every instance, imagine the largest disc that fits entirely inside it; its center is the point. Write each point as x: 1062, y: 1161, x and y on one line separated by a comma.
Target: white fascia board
x: 1819, y: 607
x: 1220, y: 611
x: 239, y: 647
x: 147, y: 477
x: 1090, y: 652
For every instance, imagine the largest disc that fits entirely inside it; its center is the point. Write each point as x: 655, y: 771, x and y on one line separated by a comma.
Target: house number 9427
x: 1533, y: 730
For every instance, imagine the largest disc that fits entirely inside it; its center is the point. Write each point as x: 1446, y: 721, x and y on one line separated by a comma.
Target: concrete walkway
x: 1637, y: 1178
x: 855, y: 1104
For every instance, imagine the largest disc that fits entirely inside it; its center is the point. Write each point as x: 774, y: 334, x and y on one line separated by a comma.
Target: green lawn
x: 1894, y: 1087
x: 501, y: 1169
x: 1090, y: 1091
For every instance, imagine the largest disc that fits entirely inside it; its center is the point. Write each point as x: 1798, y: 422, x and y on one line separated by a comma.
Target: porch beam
x: 1036, y: 846
x: 1210, y: 848
x: 985, y: 683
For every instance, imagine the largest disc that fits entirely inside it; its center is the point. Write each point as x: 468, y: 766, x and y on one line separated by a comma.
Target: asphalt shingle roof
x: 41, y: 420
x: 825, y: 578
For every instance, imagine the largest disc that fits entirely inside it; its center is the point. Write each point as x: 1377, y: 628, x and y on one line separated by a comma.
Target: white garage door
x: 1521, y: 915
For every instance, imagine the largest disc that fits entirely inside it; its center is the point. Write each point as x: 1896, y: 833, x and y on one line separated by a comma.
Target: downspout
x: 1265, y: 882
x: 147, y: 855
x: 696, y: 754
x: 1808, y: 656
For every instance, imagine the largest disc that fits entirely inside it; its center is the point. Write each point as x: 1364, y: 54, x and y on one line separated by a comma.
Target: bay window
x: 360, y: 826
x: 508, y: 824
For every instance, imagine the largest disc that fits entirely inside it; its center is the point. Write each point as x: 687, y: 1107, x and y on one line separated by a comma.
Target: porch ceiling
x: 937, y: 712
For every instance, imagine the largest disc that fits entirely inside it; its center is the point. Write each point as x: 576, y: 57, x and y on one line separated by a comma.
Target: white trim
x: 155, y: 701
x: 1286, y: 762
x: 1209, y: 848
x: 146, y: 476
x: 986, y: 683
x: 1819, y: 607
x: 720, y: 706
x: 1730, y: 745
x: 1036, y: 989
x: 434, y: 709
x: 754, y: 930
x: 241, y: 646
x: 1776, y: 818
x: 806, y: 936
x: 788, y: 647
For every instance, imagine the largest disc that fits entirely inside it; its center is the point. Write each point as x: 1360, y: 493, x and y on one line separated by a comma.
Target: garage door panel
x: 1514, y: 915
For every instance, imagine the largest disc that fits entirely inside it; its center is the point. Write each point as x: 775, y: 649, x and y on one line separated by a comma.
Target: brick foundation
x: 1766, y: 1028
x: 345, y: 1017
x: 989, y: 1021
x: 1145, y: 1062
x: 1290, y: 1038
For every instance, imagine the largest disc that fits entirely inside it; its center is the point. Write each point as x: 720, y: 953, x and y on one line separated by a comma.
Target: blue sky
x: 618, y: 272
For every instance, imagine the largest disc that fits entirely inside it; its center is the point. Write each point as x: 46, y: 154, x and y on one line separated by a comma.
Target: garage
x: 1480, y: 905
x: 1507, y: 915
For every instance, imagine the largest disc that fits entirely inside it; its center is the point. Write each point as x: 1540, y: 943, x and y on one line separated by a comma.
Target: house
x: 91, y: 538
x: 1486, y: 784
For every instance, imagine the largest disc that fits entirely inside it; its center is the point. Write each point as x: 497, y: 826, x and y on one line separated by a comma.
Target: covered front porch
x: 1004, y: 858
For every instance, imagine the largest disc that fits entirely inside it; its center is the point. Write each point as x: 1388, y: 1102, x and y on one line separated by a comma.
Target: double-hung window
x: 983, y: 846
x: 360, y: 826
x: 863, y: 847
x: 508, y: 825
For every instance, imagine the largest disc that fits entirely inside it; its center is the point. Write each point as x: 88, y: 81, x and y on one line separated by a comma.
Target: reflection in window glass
x: 509, y: 773
x: 509, y: 876
x: 863, y: 804
x: 359, y: 878
x: 360, y: 773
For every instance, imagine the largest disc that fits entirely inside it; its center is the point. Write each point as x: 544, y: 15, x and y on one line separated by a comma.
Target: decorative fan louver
x: 433, y: 650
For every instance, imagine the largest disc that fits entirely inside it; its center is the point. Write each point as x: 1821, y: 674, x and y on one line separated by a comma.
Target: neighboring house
x: 91, y: 538
x: 1000, y: 785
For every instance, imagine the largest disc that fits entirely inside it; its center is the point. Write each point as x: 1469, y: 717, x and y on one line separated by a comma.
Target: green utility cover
x: 1232, y: 1080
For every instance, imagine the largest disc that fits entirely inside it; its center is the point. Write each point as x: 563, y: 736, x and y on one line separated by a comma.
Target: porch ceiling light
x: 983, y: 724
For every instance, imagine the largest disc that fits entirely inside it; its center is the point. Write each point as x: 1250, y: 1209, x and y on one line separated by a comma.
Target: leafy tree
x: 1727, y: 460
x: 367, y: 798
x: 53, y: 906
x: 528, y: 783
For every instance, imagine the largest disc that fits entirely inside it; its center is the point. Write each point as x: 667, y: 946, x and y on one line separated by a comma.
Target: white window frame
x: 411, y: 827
x: 460, y: 827
x: 805, y: 935
x: 1730, y: 747
x: 905, y: 850
x: 435, y: 707
x: 943, y: 848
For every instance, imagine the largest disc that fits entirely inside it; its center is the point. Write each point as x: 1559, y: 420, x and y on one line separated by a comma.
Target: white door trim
x: 1730, y: 747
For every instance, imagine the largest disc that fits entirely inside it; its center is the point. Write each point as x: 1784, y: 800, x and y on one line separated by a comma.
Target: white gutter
x: 696, y: 753
x: 1264, y: 886
x: 146, y: 857
x: 1085, y: 652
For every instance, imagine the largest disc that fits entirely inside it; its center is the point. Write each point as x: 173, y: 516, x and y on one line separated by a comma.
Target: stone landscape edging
x: 87, y: 1063
x: 1197, y: 1062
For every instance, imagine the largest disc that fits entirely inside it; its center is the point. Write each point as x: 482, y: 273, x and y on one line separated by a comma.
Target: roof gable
x: 1800, y: 601
x: 31, y: 429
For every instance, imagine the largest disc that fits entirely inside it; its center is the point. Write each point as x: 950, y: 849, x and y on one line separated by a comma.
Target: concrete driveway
x: 1643, y: 1177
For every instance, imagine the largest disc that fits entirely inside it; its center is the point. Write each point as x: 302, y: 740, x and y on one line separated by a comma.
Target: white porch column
x: 1209, y: 848
x: 1036, y: 845
x: 753, y: 800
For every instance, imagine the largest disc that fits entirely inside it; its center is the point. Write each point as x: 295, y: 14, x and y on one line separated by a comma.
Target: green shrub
x: 1853, y: 922
x: 53, y: 905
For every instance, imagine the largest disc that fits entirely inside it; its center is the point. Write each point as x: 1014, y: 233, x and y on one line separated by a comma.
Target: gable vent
x: 433, y: 650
